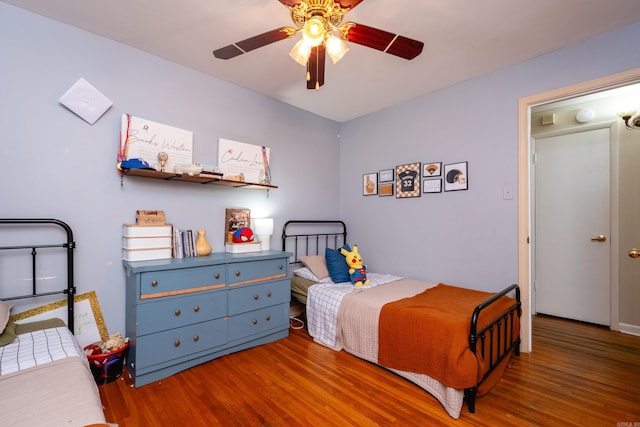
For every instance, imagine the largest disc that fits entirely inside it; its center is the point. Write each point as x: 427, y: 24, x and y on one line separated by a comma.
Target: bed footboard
x: 496, y: 340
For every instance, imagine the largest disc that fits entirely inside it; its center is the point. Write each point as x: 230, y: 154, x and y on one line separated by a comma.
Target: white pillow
x: 305, y: 273
x: 5, y: 311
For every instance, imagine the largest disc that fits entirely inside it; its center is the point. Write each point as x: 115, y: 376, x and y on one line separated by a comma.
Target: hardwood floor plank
x: 577, y: 375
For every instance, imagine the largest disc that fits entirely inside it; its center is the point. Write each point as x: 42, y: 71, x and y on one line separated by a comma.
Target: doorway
x: 525, y: 203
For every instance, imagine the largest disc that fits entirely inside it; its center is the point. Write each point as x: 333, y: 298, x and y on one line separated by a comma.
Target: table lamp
x: 264, y: 230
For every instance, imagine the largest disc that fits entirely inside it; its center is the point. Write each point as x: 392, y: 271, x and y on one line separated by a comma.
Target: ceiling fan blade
x: 382, y: 40
x: 244, y: 46
x: 290, y: 3
x: 315, y: 67
x: 348, y: 4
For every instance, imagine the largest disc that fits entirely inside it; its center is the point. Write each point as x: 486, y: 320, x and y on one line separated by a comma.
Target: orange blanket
x: 429, y: 334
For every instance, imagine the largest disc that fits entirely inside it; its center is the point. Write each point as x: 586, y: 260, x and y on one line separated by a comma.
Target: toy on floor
x: 357, y: 270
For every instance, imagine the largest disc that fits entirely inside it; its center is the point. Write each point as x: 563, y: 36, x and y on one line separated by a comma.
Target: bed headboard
x: 311, y: 237
x: 31, y: 249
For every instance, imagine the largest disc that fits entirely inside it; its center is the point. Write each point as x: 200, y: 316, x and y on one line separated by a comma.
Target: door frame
x: 524, y: 176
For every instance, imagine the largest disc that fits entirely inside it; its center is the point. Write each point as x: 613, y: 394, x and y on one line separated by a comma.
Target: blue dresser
x: 183, y: 312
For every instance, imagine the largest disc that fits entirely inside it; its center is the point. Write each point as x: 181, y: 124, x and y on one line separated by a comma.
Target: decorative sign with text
x: 144, y: 139
x: 251, y: 162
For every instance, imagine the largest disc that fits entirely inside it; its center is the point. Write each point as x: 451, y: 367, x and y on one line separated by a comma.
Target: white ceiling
x: 463, y: 39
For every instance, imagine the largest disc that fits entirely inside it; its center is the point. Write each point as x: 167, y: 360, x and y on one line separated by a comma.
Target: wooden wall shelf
x: 199, y: 179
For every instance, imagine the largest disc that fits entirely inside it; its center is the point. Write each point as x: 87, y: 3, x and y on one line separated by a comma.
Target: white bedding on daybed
x: 38, y: 347
x: 46, y: 381
x: 355, y: 329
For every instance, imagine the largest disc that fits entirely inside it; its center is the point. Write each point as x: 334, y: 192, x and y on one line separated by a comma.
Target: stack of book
x: 184, y: 243
x: 146, y: 242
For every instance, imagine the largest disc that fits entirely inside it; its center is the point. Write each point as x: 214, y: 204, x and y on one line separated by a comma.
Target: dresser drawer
x: 257, y: 271
x: 174, y: 312
x: 168, y: 345
x: 175, y: 282
x: 247, y: 298
x: 255, y: 322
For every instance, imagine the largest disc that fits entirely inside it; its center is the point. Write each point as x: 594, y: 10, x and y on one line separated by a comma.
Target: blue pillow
x: 336, y: 264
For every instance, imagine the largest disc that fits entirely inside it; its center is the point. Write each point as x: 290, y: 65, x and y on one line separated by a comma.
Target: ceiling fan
x: 320, y: 22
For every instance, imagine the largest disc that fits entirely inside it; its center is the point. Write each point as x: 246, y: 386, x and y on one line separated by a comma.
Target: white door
x: 572, y: 226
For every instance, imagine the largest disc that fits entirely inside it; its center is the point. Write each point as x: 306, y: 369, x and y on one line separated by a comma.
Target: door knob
x: 600, y: 238
x: 634, y: 253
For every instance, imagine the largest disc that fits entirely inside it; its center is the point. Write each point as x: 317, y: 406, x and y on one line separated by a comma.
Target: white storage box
x: 146, y: 254
x: 146, y: 242
x: 138, y: 230
x: 241, y: 248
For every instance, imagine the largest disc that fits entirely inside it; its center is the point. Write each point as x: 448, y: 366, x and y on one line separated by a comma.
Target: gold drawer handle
x: 268, y: 317
x: 196, y: 338
x: 281, y: 267
x: 196, y: 308
x: 154, y: 283
x: 255, y: 297
x: 255, y: 321
x: 268, y: 294
x: 178, y: 312
x: 217, y: 275
x: 177, y: 343
x: 237, y: 273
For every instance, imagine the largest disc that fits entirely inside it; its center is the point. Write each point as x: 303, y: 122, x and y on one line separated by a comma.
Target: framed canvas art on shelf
x: 234, y: 220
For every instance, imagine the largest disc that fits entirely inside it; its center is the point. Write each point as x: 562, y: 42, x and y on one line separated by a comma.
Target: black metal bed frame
x: 498, y: 335
x: 318, y: 241
x: 69, y: 245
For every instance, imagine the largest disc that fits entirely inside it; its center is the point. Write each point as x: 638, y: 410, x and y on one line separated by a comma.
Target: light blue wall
x: 469, y: 237
x: 56, y: 165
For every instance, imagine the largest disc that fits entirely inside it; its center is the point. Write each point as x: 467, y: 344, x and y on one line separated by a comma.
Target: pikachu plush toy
x: 357, y: 270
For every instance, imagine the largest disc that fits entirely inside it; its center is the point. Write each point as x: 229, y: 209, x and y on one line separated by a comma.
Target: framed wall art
x: 386, y: 175
x: 431, y: 169
x: 385, y: 189
x: 408, y: 180
x: 370, y: 184
x: 87, y: 317
x: 432, y: 186
x: 235, y: 219
x: 455, y: 177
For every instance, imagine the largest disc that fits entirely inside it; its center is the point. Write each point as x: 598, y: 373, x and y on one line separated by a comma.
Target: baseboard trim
x: 630, y: 329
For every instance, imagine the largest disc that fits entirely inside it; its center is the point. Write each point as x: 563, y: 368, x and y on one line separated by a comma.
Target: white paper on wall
x: 85, y: 101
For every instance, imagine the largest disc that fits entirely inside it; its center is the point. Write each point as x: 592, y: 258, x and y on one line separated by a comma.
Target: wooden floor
x: 577, y: 375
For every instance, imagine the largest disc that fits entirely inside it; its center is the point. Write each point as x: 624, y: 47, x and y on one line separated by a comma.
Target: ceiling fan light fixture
x: 336, y: 48
x: 314, y: 31
x: 300, y: 52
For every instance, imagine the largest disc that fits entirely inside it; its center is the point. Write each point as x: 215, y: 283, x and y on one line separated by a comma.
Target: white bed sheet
x: 37, y: 348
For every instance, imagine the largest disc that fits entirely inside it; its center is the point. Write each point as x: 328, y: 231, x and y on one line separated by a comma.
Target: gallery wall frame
x: 408, y: 180
x: 431, y: 169
x: 370, y: 184
x: 432, y: 186
x: 456, y: 176
x: 386, y: 175
x: 386, y: 189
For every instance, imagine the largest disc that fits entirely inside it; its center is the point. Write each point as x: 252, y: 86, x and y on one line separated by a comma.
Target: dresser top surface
x: 215, y: 258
